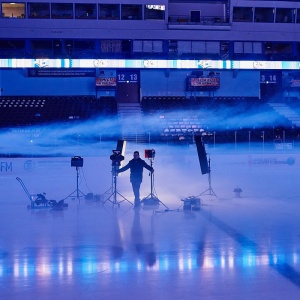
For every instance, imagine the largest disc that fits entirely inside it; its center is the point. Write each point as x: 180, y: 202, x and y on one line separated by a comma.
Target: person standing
x: 136, y: 166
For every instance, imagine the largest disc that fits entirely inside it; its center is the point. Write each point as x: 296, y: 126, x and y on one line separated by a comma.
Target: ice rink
x: 245, y: 247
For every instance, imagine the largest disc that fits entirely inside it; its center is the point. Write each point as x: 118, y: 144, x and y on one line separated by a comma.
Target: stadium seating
x: 31, y: 110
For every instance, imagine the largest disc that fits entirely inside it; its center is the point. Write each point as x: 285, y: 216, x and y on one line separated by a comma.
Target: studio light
x: 77, y: 161
x: 150, y: 153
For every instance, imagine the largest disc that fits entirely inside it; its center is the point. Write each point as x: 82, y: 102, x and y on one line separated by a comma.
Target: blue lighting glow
x: 24, y: 268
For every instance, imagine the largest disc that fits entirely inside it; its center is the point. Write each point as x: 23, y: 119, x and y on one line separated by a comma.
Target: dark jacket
x: 136, y: 169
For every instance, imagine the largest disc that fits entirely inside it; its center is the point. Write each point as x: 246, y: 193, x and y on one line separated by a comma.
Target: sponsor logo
x: 272, y: 161
x: 5, y: 166
x: 29, y: 165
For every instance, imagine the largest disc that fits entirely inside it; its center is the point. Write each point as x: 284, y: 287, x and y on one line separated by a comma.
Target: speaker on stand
x: 204, y: 165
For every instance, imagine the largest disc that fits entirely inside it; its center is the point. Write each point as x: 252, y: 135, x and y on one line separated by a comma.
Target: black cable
x: 85, y: 181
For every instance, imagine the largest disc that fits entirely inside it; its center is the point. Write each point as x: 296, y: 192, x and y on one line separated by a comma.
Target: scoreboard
x: 128, y: 76
x: 267, y: 77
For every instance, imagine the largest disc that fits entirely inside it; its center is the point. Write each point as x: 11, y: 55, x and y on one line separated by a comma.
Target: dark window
x: 12, y: 44
x: 264, y: 15
x: 85, y: 11
x: 242, y: 14
x: 11, y: 48
x: 173, y: 46
x: 109, y: 11
x: 62, y: 11
x: 278, y: 51
x: 154, y: 12
x: 285, y: 15
x: 298, y: 50
x: 69, y: 47
x: 41, y: 48
x: 298, y: 15
x: 39, y: 10
x: 131, y: 12
x: 83, y: 48
x: 224, y: 49
x: 57, y: 48
x: 84, y: 45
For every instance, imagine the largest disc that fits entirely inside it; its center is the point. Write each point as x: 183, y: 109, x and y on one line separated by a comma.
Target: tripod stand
x: 209, y: 191
x: 77, y: 191
x: 113, y: 196
x: 151, y: 199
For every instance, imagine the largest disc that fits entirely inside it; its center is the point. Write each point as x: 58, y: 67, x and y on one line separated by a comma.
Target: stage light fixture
x: 77, y: 161
x: 149, y: 153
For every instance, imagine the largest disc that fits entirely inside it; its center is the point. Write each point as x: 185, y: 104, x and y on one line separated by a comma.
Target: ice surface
x: 233, y: 248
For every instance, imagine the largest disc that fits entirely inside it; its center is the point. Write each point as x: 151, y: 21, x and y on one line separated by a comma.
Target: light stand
x: 77, y: 162
x: 151, y: 199
x: 113, y: 196
x: 209, y: 191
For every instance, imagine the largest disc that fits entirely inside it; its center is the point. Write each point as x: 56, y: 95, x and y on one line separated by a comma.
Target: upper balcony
x: 214, y: 21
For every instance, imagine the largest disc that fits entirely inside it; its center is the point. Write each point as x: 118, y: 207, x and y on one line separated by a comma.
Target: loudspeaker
x: 201, y: 154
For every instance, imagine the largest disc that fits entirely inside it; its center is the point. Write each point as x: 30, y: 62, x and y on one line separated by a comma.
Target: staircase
x: 287, y: 112
x: 131, y: 120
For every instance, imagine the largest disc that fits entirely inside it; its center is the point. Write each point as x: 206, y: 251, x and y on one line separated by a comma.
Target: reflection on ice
x: 101, y: 246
